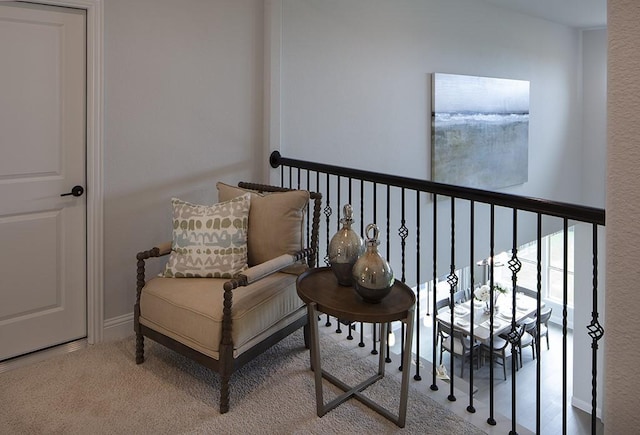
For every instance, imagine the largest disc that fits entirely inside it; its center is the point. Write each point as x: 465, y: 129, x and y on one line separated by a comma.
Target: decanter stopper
x: 345, y: 248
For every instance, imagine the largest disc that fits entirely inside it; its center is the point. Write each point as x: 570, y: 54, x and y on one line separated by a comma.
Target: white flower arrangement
x: 500, y: 289
x: 482, y: 293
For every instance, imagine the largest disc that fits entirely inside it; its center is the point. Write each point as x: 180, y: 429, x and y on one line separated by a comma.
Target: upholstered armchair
x: 228, y: 290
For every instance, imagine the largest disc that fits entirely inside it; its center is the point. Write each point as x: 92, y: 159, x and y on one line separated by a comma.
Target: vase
x: 372, y: 274
x: 345, y: 248
x: 487, y: 304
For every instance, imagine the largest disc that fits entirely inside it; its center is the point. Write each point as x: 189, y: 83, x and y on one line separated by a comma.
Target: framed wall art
x: 480, y: 131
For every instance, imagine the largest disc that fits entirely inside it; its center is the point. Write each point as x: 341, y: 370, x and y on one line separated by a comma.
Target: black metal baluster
x: 349, y: 325
x: 361, y: 344
x: 471, y: 408
x: 492, y: 235
x: 434, y: 331
x: 514, y: 338
x: 565, y: 299
x: 389, y: 326
x: 539, y: 304
x: 374, y: 351
x: 339, y: 205
x: 452, y: 279
x: 308, y: 187
x: 596, y: 332
x: 403, y: 232
x: 327, y: 213
x: 417, y: 376
x: 318, y: 189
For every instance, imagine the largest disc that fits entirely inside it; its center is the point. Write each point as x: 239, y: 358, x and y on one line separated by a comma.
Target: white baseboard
x: 585, y: 406
x: 117, y: 328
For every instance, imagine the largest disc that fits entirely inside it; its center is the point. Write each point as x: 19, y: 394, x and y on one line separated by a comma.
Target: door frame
x: 94, y: 143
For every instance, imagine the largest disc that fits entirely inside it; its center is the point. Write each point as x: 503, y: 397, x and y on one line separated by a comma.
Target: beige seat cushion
x: 190, y: 310
x: 275, y: 221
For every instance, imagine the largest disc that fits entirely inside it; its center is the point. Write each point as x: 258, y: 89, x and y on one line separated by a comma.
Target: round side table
x: 320, y: 290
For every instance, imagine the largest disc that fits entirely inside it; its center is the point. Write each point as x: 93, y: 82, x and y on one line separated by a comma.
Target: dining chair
x: 460, y: 296
x: 440, y: 304
x: 527, y: 333
x: 468, y: 293
x: 545, y: 315
x: 457, y: 344
x: 527, y: 292
x: 500, y: 348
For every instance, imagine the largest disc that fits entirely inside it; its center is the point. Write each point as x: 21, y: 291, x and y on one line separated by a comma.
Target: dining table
x: 526, y: 307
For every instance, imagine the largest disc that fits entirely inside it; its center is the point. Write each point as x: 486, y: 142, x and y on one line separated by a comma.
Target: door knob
x: 76, y: 191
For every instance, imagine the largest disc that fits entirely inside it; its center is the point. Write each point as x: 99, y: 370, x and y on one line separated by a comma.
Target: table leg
x: 406, y: 368
x: 384, y: 336
x: 315, y: 356
x: 356, y: 391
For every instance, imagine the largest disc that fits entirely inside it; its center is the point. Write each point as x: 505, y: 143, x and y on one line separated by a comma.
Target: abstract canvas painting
x: 480, y: 131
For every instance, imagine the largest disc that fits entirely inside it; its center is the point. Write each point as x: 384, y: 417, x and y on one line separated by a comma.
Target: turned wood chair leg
x: 139, y: 348
x: 224, y: 394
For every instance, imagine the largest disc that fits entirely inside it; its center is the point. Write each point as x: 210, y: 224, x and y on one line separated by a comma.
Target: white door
x: 42, y: 155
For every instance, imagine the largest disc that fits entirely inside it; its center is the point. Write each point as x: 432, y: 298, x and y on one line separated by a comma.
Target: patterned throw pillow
x: 209, y: 241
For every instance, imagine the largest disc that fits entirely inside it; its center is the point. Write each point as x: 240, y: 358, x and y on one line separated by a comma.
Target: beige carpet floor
x: 100, y: 390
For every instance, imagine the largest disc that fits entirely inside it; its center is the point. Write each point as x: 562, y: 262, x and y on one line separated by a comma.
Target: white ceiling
x: 575, y: 13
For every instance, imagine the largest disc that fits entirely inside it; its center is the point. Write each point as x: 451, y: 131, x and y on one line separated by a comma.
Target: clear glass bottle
x: 345, y: 248
x: 372, y: 274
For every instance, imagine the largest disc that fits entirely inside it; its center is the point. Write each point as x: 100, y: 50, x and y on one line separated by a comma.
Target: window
x: 552, y: 266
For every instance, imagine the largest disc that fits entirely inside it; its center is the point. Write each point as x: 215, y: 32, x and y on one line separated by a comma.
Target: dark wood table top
x: 321, y: 286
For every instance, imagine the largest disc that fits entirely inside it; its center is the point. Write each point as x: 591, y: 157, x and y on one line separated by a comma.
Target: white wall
x: 356, y: 85
x: 594, y: 125
x: 183, y: 96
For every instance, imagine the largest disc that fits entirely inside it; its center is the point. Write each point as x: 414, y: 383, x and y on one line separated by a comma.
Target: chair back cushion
x: 276, y: 221
x: 209, y: 241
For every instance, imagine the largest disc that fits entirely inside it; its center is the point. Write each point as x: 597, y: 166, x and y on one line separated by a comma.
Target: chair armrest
x: 259, y: 271
x: 158, y: 251
x: 164, y: 248
x: 268, y: 267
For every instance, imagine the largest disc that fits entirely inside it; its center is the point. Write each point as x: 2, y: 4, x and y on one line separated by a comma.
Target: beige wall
x: 622, y: 352
x: 183, y: 109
